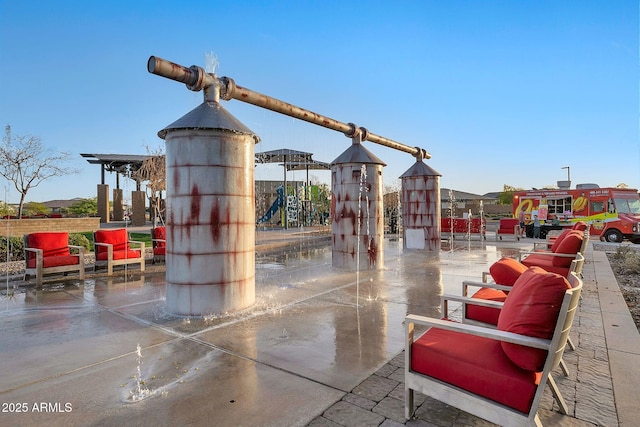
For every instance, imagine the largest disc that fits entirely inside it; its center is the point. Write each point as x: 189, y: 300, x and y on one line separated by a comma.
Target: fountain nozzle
x: 194, y: 77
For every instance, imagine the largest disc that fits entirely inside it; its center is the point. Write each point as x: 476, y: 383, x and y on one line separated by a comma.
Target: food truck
x: 612, y: 213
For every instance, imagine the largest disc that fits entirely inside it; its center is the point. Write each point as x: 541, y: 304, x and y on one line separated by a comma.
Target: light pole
x: 568, y: 172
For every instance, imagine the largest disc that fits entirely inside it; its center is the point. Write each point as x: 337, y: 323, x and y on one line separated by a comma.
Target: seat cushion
x: 546, y: 263
x: 506, y: 271
x: 476, y: 364
x: 532, y: 309
x: 132, y: 253
x: 160, y: 250
x: 485, y: 314
x: 569, y: 245
x: 57, y: 261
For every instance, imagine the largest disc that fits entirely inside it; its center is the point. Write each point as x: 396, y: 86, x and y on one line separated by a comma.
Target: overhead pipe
x: 197, y: 79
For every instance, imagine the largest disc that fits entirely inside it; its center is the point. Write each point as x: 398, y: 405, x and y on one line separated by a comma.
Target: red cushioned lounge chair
x: 508, y: 227
x: 113, y: 248
x: 558, y: 258
x: 503, y: 274
x: 49, y: 253
x: 496, y: 374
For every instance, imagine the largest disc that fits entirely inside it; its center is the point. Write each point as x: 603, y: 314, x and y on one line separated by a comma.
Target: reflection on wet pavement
x: 313, y: 331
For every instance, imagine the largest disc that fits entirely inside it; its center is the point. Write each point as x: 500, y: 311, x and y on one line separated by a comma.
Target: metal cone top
x: 356, y: 153
x: 420, y: 169
x: 209, y: 115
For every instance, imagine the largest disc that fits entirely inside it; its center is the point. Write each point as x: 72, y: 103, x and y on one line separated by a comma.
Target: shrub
x: 78, y: 239
x: 13, y: 245
x: 632, y: 262
x: 622, y: 252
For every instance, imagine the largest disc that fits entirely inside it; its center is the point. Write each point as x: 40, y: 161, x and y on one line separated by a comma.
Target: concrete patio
x: 320, y: 347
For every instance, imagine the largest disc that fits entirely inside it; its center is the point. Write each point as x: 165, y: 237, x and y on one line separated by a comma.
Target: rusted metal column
x: 357, y: 209
x: 421, y: 207
x: 210, y: 260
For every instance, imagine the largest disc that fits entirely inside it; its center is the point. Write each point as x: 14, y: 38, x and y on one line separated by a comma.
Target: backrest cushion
x: 571, y: 244
x: 159, y: 233
x: 51, y: 243
x: 506, y: 271
x: 580, y: 226
x: 118, y: 238
x: 508, y: 223
x: 559, y: 239
x: 532, y: 309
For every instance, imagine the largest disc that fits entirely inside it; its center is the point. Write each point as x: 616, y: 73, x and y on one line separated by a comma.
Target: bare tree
x: 153, y: 171
x: 27, y: 163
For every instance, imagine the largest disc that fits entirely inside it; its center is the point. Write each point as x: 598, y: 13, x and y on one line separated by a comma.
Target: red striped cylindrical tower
x: 210, y: 259
x: 357, y: 209
x: 421, y: 207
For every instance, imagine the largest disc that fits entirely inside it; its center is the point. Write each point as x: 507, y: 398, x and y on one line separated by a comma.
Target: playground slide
x: 275, y: 207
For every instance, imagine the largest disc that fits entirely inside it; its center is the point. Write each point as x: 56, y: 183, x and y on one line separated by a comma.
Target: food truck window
x: 558, y: 206
x: 597, y: 207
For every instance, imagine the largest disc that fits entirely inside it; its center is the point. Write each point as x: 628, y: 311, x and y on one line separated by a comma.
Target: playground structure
x: 298, y: 201
x: 303, y: 206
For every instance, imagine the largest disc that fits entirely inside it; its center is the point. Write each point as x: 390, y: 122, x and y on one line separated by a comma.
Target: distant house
x: 58, y: 205
x: 462, y: 202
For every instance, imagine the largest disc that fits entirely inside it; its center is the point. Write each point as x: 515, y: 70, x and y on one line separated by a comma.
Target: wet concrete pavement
x: 320, y: 347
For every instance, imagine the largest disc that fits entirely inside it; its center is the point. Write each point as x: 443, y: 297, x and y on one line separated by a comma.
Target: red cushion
x: 57, y: 261
x: 160, y: 250
x: 580, y: 226
x: 53, y: 244
x: 476, y: 364
x: 485, y: 314
x: 558, y: 240
x: 506, y: 271
x: 532, y: 309
x: 546, y: 263
x: 569, y: 245
x: 133, y: 253
x: 161, y: 234
x: 118, y: 238
x: 507, y: 225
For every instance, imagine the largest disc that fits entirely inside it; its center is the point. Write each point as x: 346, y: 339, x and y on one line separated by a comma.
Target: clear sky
x: 499, y: 92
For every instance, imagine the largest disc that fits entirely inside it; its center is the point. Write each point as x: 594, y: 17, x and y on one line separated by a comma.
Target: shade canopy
x: 307, y: 165
x: 282, y: 155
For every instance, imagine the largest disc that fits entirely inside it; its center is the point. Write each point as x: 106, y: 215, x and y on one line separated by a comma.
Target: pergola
x: 127, y: 165
x: 119, y: 163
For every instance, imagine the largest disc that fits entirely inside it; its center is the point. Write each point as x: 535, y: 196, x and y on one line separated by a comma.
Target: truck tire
x: 613, y: 236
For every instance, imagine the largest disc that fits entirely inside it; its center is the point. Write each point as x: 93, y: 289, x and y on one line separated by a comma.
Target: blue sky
x: 499, y: 92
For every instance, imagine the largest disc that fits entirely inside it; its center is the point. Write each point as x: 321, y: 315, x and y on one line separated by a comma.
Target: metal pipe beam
x: 197, y: 79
